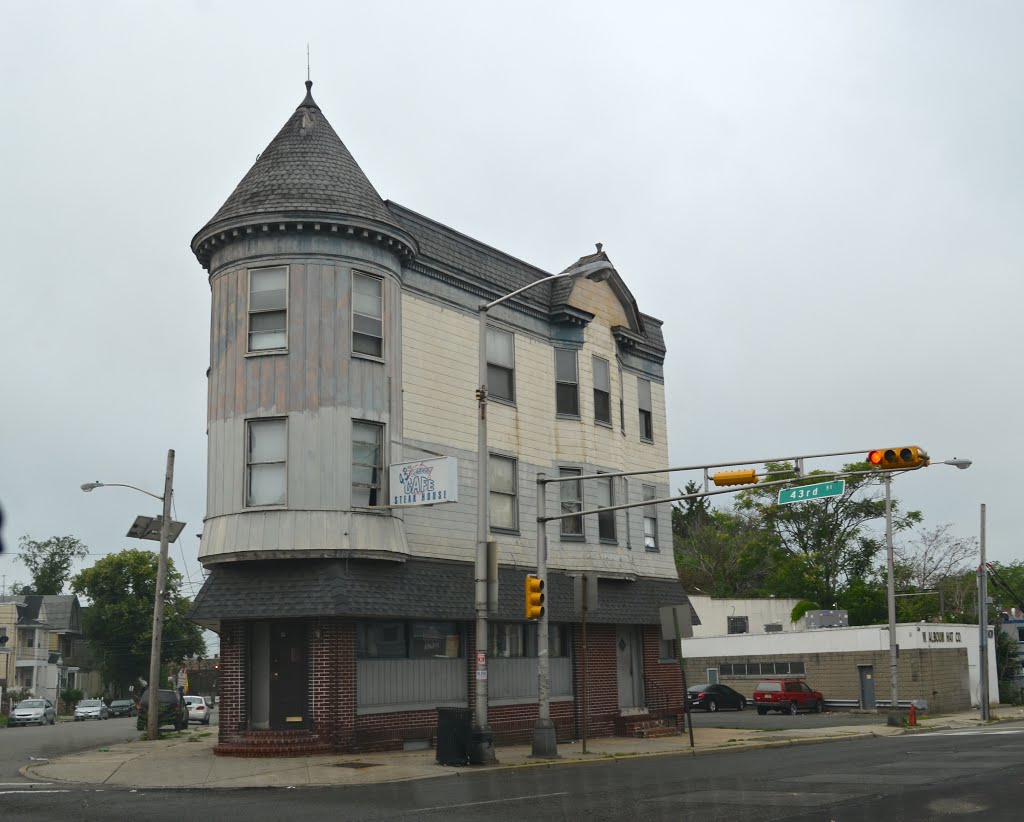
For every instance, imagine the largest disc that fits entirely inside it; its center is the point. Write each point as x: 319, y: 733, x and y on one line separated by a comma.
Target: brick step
x: 246, y: 749
x: 275, y: 743
x: 656, y: 731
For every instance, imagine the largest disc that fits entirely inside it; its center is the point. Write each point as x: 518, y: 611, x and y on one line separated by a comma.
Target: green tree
x: 49, y: 562
x: 689, y: 514
x: 119, y: 621
x: 728, y: 554
x: 824, y: 541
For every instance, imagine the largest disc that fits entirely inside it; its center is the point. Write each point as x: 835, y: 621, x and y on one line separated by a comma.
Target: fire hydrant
x: 912, y: 719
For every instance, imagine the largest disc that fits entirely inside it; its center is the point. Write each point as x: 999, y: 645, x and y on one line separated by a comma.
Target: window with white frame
x: 266, y: 453
x: 502, y: 507
x: 646, y: 418
x: 268, y: 309
x: 567, y: 393
x: 602, y: 392
x: 367, y: 464
x: 367, y: 315
x: 501, y: 374
x: 605, y: 519
x: 572, y: 502
x: 650, y: 518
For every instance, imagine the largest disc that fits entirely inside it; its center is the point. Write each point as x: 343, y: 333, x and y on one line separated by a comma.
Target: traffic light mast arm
x: 796, y: 460
x: 809, y: 479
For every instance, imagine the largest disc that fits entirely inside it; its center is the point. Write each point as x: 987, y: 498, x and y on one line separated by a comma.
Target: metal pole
x: 983, y: 699
x: 584, y: 659
x: 544, y: 741
x: 483, y: 743
x: 152, y: 720
x: 895, y: 718
x: 687, y: 716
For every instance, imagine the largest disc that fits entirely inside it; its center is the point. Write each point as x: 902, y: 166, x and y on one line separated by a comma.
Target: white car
x: 198, y: 710
x: 33, y: 712
x: 91, y: 709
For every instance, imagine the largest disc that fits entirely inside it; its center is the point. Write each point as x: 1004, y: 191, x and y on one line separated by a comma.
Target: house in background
x: 52, y: 653
x: 344, y: 337
x: 35, y: 666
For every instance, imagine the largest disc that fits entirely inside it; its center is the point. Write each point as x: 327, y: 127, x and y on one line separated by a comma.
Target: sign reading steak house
x: 424, y: 482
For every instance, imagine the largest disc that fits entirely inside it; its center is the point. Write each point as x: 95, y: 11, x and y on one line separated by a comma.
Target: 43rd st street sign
x: 821, y: 490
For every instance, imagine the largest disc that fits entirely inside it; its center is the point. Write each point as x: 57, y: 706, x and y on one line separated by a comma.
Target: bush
x: 1010, y: 693
x: 70, y: 697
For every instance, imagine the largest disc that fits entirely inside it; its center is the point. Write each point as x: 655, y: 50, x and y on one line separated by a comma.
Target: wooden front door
x: 289, y: 675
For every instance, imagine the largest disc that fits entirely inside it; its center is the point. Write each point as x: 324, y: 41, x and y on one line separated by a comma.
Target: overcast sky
x: 823, y: 200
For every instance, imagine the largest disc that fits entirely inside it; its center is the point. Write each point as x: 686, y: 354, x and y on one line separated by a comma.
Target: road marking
x: 489, y: 802
x: 978, y: 732
x: 30, y: 792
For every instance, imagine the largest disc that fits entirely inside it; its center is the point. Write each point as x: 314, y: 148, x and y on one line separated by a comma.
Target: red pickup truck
x: 787, y: 696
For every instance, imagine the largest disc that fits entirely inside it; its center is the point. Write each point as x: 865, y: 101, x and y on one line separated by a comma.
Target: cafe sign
x: 424, y: 482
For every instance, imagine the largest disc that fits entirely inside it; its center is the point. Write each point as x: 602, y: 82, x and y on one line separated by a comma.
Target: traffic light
x: 909, y: 456
x: 534, y: 597
x: 745, y: 477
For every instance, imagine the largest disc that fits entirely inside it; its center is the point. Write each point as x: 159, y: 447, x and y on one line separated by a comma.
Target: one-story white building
x: 938, y: 663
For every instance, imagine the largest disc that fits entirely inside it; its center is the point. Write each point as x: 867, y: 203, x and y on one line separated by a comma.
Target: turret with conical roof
x: 306, y: 173
x: 305, y: 269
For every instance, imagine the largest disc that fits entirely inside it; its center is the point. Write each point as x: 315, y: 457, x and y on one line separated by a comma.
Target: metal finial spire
x: 308, y: 77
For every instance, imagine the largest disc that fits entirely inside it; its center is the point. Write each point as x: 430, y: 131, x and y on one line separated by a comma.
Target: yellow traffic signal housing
x: 534, y: 597
x: 747, y: 476
x: 909, y: 456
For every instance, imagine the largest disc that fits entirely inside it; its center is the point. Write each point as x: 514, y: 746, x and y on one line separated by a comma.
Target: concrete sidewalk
x: 186, y: 759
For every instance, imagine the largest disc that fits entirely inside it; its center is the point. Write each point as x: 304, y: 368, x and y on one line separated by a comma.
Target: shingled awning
x: 417, y: 589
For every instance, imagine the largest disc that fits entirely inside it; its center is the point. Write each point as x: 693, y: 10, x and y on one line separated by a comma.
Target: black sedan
x: 713, y: 697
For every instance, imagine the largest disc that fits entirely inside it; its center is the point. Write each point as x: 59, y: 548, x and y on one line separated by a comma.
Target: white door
x: 630, y: 667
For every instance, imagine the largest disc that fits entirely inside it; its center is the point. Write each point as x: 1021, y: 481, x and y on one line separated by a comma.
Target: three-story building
x: 344, y: 338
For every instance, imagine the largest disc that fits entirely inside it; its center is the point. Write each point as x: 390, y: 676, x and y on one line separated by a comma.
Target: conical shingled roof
x: 305, y: 172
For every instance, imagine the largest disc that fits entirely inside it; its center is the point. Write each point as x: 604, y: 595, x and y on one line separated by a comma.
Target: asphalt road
x: 21, y: 745
x: 936, y: 776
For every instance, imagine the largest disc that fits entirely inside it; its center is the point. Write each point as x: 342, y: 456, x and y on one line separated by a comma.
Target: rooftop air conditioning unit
x: 773, y: 628
x: 827, y: 619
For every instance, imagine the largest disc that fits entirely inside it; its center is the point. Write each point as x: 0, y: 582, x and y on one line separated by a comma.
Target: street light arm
x: 596, y: 271
x: 90, y: 486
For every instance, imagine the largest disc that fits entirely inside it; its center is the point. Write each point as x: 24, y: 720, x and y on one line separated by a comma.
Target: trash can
x: 454, y: 729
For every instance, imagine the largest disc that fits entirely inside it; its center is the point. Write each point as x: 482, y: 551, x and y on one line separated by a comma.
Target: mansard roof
x: 306, y: 173
x: 495, y: 273
x: 415, y: 589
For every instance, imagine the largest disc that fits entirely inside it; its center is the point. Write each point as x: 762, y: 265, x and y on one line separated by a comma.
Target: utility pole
x: 983, y: 626
x: 895, y: 718
x: 152, y: 720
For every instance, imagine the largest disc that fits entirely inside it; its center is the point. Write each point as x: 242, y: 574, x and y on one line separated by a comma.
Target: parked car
x: 713, y: 697
x: 173, y: 710
x: 122, y: 707
x: 91, y: 709
x: 198, y: 710
x: 787, y: 696
x: 33, y: 712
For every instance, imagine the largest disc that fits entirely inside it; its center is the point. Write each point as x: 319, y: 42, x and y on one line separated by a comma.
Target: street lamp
x: 895, y: 717
x: 598, y: 271
x: 161, y: 582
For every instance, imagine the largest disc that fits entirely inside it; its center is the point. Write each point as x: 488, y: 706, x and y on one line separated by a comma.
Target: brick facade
x: 337, y: 727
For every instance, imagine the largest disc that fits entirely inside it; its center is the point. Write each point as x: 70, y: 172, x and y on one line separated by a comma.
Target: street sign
x: 821, y: 490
